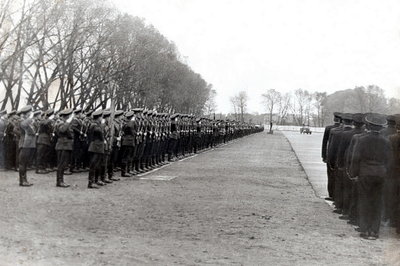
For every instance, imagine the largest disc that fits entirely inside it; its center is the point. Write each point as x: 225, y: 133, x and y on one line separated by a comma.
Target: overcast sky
x: 255, y: 45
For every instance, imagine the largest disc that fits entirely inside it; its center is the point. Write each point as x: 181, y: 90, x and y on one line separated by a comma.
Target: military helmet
x: 65, y: 112
x: 118, y: 113
x: 129, y: 114
x: 97, y: 113
x: 106, y: 113
x: 25, y: 109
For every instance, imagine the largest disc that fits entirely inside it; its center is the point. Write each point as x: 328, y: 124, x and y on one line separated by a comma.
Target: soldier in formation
x: 105, y: 143
x: 361, y: 152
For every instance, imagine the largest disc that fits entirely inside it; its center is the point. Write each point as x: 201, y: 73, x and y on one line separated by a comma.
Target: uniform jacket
x: 65, y: 136
x: 107, y: 135
x: 350, y: 150
x: 395, y: 142
x: 345, y: 139
x: 27, y: 128
x: 333, y: 145
x: 45, y: 130
x: 3, y: 127
x: 77, y: 127
x: 117, y: 133
x: 96, y: 138
x: 324, y: 150
x: 372, y: 155
x: 10, y: 130
x: 174, y: 131
x: 129, y: 134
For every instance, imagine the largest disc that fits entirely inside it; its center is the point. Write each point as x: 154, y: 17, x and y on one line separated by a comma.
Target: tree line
x: 82, y: 53
x: 302, y: 107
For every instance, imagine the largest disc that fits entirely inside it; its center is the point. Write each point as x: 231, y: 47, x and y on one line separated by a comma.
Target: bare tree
x: 283, y: 107
x: 393, y: 106
x: 235, y: 105
x: 376, y: 101
x: 271, y: 100
x: 319, y: 104
x: 210, y: 106
x: 241, y: 100
x: 301, y: 106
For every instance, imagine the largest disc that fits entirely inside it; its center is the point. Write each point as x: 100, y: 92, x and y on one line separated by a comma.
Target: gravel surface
x: 245, y: 203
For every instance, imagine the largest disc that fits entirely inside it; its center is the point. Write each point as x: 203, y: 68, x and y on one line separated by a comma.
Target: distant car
x: 305, y: 130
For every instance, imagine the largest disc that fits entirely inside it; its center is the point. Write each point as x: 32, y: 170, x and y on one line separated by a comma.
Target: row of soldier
x: 104, y: 142
x: 362, y: 153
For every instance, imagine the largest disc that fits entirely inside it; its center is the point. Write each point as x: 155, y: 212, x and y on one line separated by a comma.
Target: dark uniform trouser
x: 353, y: 211
x: 2, y: 152
x: 77, y: 155
x: 389, y: 197
x: 138, y: 155
x: 25, y: 156
x: 126, y: 157
x: 10, y: 153
x: 112, y: 161
x: 347, y: 189
x: 170, y: 148
x: 95, y: 164
x: 369, y: 203
x: 63, y: 159
x: 42, y: 156
x: 338, y: 196
x: 331, y: 181
x: 105, y: 165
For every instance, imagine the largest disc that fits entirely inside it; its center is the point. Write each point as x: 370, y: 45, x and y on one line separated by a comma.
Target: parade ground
x: 249, y: 202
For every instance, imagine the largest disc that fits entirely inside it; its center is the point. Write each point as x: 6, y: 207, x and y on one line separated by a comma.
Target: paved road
x: 308, y: 150
x: 246, y: 203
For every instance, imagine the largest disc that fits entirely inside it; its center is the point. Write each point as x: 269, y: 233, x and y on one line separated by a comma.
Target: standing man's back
x: 324, y: 153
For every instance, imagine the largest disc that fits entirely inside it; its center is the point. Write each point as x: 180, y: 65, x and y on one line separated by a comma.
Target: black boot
x: 63, y: 185
x: 60, y: 182
x: 112, y: 178
x: 124, y: 171
x: 91, y: 181
x: 105, y: 180
x: 23, y: 182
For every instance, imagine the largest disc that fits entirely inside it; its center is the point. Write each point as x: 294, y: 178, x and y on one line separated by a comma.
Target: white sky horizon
x: 255, y: 45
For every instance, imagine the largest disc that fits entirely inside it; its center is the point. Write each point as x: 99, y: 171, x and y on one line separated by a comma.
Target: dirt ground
x: 246, y: 203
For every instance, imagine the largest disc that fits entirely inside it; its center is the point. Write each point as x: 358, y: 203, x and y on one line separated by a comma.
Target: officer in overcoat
x: 3, y: 127
x: 333, y: 145
x: 116, y: 145
x: 324, y: 155
x: 65, y: 145
x: 96, y: 150
x: 392, y: 182
x: 10, y: 142
x: 388, y: 187
x: 128, y: 144
x: 357, y: 132
x: 78, y: 128
x: 106, y: 126
x: 27, y: 144
x: 44, y: 142
x: 372, y: 159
